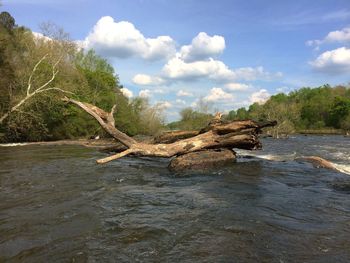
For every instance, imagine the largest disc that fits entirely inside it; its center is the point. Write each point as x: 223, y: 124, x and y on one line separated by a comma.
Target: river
x: 57, y: 205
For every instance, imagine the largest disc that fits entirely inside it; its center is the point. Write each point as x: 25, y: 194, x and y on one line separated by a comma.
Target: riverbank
x: 101, y: 143
x: 322, y: 132
x: 110, y: 142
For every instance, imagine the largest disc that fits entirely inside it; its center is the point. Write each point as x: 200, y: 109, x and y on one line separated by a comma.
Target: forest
x: 38, y: 70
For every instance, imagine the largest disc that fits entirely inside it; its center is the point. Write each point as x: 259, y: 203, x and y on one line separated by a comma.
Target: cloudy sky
x: 230, y: 53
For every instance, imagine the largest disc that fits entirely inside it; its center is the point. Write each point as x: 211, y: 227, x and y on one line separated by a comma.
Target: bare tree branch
x: 102, y: 118
x: 110, y: 117
x: 33, y: 71
x: 113, y: 109
x: 42, y: 88
x: 54, y: 73
x: 54, y: 88
x: 114, y: 157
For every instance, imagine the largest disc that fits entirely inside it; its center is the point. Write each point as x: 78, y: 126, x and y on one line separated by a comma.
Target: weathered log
x: 116, y: 148
x: 237, y: 134
x: 106, y: 120
x: 318, y: 162
x: 173, y: 136
x: 203, y: 159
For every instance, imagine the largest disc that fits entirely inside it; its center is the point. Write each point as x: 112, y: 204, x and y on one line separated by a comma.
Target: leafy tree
x: 345, y: 124
x: 340, y: 109
x: 306, y: 108
x: 192, y: 119
x: 242, y: 114
x: 7, y: 21
x: 231, y: 115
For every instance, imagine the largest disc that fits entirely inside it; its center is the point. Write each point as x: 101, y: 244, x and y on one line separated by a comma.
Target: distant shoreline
x: 109, y: 142
x: 321, y: 132
x: 101, y: 143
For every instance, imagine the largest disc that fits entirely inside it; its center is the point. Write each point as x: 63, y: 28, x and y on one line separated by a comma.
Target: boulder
x: 203, y: 159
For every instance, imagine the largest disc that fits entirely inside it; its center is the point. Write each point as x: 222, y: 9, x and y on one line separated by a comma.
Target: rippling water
x: 57, y: 205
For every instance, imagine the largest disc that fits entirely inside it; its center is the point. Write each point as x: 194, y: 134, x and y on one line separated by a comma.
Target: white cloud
x: 183, y: 93
x: 180, y: 102
x: 338, y: 36
x: 237, y: 86
x: 260, y: 96
x: 334, y: 61
x: 218, y: 94
x: 178, y: 69
x: 283, y: 89
x: 127, y: 93
x: 163, y: 105
x: 145, y: 93
x: 143, y: 79
x: 203, y: 47
x: 40, y: 36
x: 249, y: 73
x: 123, y: 40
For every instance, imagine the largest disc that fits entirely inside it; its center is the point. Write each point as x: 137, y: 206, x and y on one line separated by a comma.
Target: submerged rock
x: 203, y: 159
x: 342, y: 186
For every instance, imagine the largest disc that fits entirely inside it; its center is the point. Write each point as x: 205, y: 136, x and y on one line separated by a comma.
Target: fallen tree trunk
x: 318, y: 162
x: 217, y: 135
x: 173, y: 136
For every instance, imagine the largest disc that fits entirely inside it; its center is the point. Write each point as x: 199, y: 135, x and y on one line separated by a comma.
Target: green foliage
x: 339, y: 110
x: 138, y: 117
x: 100, y: 78
x: 345, y: 123
x: 85, y: 74
x: 191, y: 120
x: 304, y: 109
x: 7, y: 21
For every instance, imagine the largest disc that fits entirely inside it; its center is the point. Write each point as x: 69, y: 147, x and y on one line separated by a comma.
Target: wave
x: 13, y: 144
x: 270, y: 157
x: 342, y: 168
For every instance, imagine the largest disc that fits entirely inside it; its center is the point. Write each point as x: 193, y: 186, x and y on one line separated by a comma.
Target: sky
x: 227, y: 53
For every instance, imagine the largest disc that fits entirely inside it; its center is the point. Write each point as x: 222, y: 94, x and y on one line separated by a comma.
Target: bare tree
x: 33, y: 91
x: 55, y: 32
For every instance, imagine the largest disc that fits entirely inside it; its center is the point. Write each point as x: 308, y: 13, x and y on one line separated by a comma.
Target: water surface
x: 57, y: 205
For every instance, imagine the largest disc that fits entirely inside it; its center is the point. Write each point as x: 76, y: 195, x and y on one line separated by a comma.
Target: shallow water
x: 57, y: 205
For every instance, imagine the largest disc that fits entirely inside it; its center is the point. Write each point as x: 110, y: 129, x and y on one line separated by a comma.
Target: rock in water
x: 203, y: 159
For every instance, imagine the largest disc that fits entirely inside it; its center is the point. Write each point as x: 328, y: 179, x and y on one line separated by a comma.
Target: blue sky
x: 228, y: 53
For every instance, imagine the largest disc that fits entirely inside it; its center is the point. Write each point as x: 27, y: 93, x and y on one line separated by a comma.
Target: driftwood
x: 318, y: 162
x: 173, y: 136
x: 217, y: 135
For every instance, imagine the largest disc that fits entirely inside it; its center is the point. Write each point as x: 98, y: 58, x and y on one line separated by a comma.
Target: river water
x: 57, y: 205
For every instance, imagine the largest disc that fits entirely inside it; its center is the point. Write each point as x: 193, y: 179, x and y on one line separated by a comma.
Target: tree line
x: 37, y: 71
x: 304, y: 110
x: 308, y: 110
